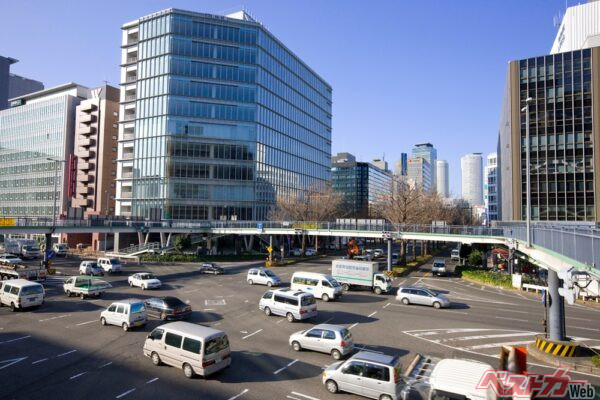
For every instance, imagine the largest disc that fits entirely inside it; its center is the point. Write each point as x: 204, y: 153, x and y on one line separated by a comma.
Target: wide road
x: 61, y: 351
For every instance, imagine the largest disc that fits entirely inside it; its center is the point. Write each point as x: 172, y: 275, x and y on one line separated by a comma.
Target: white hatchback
x: 145, y: 280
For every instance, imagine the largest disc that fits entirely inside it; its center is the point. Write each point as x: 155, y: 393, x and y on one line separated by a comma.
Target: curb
x: 535, y: 353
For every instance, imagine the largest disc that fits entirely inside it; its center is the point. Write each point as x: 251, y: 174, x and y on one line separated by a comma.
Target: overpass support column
x: 48, y: 242
x: 168, y: 239
x: 389, y: 254
x: 140, y: 238
x: 116, y: 242
x: 556, y: 309
x: 162, y: 239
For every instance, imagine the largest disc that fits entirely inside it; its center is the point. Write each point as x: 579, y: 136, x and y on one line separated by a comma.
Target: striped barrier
x: 559, y: 349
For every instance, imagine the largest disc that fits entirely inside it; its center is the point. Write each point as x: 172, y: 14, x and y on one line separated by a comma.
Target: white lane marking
x: 14, y: 340
x: 78, y: 375
x: 353, y: 325
x: 151, y: 380
x: 373, y: 313
x: 209, y: 309
x: 492, y: 345
x: 512, y: 319
x: 39, y: 361
x: 580, y: 319
x: 478, y: 337
x: 243, y: 332
x: 401, y: 282
x: 328, y: 319
x: 388, y: 304
x: 105, y: 365
x: 289, y: 365
x: 85, y: 323
x: 57, y: 317
x: 507, y: 311
x: 253, y: 333
x: 292, y: 397
x: 238, y: 395
x: 125, y: 393
x: 581, y: 327
x: 65, y: 353
x: 305, y: 396
x: 455, y: 312
x: 441, y: 331
x: 10, y: 362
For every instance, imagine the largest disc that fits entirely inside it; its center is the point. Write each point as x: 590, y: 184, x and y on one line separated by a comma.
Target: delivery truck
x: 360, y: 274
x: 85, y: 287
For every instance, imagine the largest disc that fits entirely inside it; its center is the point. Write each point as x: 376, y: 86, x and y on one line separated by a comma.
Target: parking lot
x: 60, y: 350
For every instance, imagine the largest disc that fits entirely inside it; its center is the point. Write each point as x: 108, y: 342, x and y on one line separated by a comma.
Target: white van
x: 21, y: 293
x: 321, y: 286
x: 126, y: 314
x: 262, y: 276
x: 294, y: 305
x: 110, y: 265
x: 196, y: 349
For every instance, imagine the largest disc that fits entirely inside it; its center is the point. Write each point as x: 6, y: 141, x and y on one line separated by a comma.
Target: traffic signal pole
x: 556, y: 309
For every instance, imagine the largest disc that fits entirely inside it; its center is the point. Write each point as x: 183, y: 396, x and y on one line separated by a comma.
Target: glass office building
x: 38, y: 126
x: 428, y: 153
x: 362, y: 184
x: 564, y: 138
x: 219, y: 118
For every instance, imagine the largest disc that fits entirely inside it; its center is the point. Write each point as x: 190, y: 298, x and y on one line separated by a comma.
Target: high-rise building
x: 218, y: 119
x: 429, y: 153
x: 36, y: 140
x: 401, y: 166
x: 564, y: 137
x: 362, y: 184
x: 442, y: 178
x: 12, y: 85
x: 490, y: 187
x: 471, y: 166
x: 419, y: 173
x: 579, y: 29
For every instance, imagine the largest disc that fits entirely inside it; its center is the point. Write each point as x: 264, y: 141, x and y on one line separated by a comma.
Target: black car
x: 211, y: 268
x: 166, y: 308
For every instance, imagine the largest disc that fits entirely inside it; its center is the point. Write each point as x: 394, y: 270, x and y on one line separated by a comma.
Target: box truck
x: 360, y: 274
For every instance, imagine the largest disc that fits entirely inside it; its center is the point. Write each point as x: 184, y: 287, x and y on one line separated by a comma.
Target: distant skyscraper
x: 490, y: 187
x: 579, y: 29
x: 419, y: 173
x: 471, y: 166
x: 401, y: 166
x: 442, y: 178
x: 12, y: 85
x: 429, y: 153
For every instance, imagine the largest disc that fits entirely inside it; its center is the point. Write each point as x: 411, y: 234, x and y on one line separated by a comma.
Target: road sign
x: 270, y: 249
x: 259, y: 226
x: 543, y: 297
x: 50, y: 255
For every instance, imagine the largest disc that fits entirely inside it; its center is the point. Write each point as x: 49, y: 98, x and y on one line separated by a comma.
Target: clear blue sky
x: 402, y: 72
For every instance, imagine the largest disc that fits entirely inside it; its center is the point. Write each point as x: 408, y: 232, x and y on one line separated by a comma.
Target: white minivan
x: 126, y: 314
x: 110, y: 265
x: 294, y: 305
x: 196, y: 349
x: 262, y: 276
x: 321, y: 286
x: 21, y: 293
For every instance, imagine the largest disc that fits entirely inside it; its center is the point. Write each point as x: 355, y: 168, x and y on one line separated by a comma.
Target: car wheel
x: 130, y: 284
x: 335, y: 353
x: 68, y: 293
x: 377, y: 290
x: 296, y: 346
x: 82, y: 296
x: 290, y: 317
x: 385, y: 397
x: 144, y: 287
x: 332, y: 387
x: 405, y: 301
x: 12, y: 307
x: 188, y: 371
x: 437, y: 305
x: 125, y: 326
x: 267, y: 311
x: 325, y: 297
x: 269, y: 284
x: 155, y: 359
x: 345, y: 287
x: 103, y: 321
x: 163, y: 316
x: 250, y: 282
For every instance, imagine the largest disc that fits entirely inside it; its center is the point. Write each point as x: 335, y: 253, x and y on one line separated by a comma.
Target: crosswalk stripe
x: 492, y: 345
x: 462, y: 338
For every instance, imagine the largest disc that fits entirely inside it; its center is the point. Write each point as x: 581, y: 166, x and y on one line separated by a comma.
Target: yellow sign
x: 7, y: 222
x: 270, y: 249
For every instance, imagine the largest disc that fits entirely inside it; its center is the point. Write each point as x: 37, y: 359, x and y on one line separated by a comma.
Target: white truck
x: 360, y: 274
x: 25, y: 248
x: 84, y: 286
x: 19, y: 271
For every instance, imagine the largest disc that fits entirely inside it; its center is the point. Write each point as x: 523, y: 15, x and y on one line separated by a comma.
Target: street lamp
x: 56, y: 161
x: 528, y: 101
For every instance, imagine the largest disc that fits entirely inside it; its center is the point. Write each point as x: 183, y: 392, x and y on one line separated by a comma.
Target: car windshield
x: 308, y: 300
x: 173, y: 302
x: 114, y: 261
x: 147, y: 276
x: 34, y: 289
x: 333, y: 282
x: 137, y: 308
x: 215, y: 345
x: 269, y: 273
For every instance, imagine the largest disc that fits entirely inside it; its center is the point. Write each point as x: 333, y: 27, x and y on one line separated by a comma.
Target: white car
x: 11, y: 259
x: 262, y: 276
x: 145, y: 280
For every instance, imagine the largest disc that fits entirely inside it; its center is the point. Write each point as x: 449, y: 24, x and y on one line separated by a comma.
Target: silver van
x: 325, y: 338
x: 438, y: 267
x: 372, y: 375
x: 419, y: 295
x: 292, y: 304
x: 196, y: 349
x: 110, y: 265
x: 262, y: 276
x: 126, y: 314
x: 21, y: 293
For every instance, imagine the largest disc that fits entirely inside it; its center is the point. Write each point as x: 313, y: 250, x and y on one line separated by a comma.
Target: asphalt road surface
x: 60, y: 350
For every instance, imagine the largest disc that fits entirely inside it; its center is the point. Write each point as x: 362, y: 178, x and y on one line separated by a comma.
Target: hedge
x: 194, y: 258
x: 596, y: 361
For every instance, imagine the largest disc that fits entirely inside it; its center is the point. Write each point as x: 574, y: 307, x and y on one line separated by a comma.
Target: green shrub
x: 475, y: 258
x: 488, y: 277
x: 194, y: 258
x: 596, y: 360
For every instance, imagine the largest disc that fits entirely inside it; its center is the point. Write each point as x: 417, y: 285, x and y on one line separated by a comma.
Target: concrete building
x: 419, y: 173
x: 579, y: 29
x: 381, y: 164
x: 471, y: 166
x: 490, y: 187
x: 362, y: 184
x: 12, y: 85
x: 218, y: 118
x: 442, y: 175
x: 38, y: 129
x: 429, y: 153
